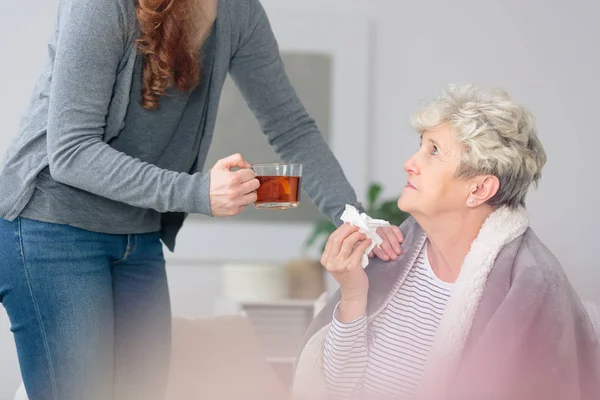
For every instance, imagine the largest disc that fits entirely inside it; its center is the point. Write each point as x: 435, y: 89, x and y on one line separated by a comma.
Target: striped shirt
x: 386, y: 357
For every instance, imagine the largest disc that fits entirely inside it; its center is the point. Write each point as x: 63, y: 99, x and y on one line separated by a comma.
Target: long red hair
x: 166, y: 43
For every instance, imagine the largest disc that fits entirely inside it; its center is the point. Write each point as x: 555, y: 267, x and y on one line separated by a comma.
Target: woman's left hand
x: 390, y: 248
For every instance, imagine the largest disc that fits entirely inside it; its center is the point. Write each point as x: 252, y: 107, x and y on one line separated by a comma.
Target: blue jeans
x: 90, y: 312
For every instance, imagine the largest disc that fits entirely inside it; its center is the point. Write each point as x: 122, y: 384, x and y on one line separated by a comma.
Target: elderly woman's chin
x: 406, y: 202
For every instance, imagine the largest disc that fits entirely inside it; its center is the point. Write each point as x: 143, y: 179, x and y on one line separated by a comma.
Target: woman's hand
x: 232, y: 191
x: 341, y: 258
x: 390, y: 248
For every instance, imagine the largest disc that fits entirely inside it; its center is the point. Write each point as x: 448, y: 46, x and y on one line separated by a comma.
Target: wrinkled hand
x: 231, y: 191
x: 342, y: 256
x: 390, y: 248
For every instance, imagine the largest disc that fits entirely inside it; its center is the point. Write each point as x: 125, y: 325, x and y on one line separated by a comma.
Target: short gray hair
x: 499, y: 138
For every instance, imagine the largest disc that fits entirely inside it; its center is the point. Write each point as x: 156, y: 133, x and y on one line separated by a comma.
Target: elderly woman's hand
x: 390, y: 248
x: 341, y: 258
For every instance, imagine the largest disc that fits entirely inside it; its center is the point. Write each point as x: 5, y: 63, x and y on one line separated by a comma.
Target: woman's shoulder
x: 239, y: 7
x: 241, y: 15
x: 121, y: 7
x: 537, y: 266
x: 539, y: 282
x: 120, y: 14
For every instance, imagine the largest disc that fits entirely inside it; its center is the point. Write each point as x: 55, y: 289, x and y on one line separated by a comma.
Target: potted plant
x: 306, y: 276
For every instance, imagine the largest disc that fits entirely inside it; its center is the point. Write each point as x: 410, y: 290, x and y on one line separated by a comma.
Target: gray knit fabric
x: 80, y: 104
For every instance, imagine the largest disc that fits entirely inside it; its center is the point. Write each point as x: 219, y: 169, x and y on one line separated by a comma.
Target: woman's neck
x: 206, y: 14
x: 450, y: 237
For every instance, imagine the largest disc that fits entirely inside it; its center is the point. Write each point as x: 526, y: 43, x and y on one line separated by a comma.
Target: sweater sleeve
x: 258, y: 71
x: 345, y: 357
x: 90, y: 44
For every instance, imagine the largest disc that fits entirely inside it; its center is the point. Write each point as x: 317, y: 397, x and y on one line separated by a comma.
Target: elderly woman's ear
x: 483, y: 189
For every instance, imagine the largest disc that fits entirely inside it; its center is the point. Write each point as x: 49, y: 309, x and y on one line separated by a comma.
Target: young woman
x: 107, y: 164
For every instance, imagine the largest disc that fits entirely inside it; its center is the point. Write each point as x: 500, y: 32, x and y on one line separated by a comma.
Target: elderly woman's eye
x: 435, y: 151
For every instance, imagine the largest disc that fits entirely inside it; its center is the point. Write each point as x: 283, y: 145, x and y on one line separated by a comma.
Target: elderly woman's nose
x: 411, y: 166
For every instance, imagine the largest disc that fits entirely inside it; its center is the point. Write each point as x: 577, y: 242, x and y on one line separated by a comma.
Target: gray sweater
x: 80, y: 103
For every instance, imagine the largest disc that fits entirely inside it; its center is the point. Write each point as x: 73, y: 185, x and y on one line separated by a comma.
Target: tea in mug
x: 278, y: 192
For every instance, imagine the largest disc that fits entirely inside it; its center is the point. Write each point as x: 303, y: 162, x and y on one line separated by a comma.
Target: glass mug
x: 280, y: 185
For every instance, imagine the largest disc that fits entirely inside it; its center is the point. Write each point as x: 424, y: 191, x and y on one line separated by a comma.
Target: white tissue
x: 367, y: 226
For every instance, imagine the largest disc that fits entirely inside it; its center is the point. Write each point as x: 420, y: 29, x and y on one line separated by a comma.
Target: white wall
x: 545, y: 53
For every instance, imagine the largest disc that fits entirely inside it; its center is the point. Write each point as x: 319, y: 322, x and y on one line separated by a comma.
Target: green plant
x: 387, y: 210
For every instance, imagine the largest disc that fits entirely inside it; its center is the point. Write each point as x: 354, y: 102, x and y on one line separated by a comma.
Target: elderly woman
x: 476, y: 307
